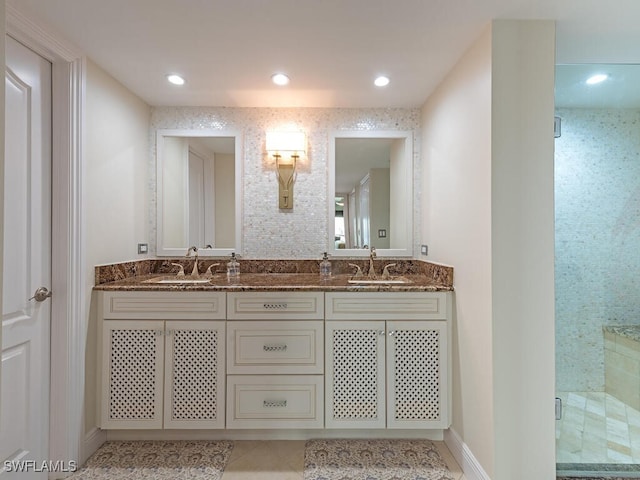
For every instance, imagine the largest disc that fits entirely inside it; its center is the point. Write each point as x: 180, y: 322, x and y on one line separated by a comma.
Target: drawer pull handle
x: 274, y: 403
x: 274, y: 348
x: 275, y: 306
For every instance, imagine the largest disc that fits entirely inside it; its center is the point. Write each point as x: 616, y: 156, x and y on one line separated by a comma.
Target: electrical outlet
x: 424, y: 249
x: 143, y: 248
x: 382, y: 233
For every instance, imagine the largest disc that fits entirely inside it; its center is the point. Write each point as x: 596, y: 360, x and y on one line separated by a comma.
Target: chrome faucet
x: 194, y: 272
x: 180, y: 269
x: 209, y: 273
x: 358, y: 272
x: 385, y: 273
x: 372, y: 273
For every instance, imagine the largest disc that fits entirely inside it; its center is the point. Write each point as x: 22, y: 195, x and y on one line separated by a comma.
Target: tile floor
x: 284, y: 460
x: 597, y: 428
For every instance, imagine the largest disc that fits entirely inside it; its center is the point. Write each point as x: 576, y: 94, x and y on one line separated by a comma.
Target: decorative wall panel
x: 269, y: 232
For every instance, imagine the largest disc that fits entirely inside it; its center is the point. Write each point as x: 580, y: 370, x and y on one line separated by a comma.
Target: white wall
x: 116, y: 149
x: 456, y: 141
x: 523, y: 64
x: 488, y: 178
x: 114, y: 200
x: 2, y: 59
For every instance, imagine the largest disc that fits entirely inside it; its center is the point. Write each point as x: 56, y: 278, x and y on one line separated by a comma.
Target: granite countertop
x: 272, y: 275
x: 274, y: 282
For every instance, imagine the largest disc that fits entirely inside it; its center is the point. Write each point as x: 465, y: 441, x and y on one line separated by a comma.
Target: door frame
x: 70, y: 290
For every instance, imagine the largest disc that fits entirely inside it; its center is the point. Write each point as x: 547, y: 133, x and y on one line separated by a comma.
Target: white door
x: 24, y: 402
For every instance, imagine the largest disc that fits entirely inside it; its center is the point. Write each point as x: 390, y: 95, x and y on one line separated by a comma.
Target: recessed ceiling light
x: 381, y: 81
x: 175, y: 79
x: 280, y: 79
x: 598, y: 78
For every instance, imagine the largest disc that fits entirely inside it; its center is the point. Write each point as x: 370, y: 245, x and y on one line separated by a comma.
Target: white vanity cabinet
x: 275, y: 352
x: 274, y: 360
x: 162, y: 360
x: 387, y: 360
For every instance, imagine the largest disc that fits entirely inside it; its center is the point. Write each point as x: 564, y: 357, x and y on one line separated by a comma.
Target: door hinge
x: 558, y: 408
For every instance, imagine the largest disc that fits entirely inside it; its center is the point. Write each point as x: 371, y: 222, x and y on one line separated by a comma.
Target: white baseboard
x: 91, y: 442
x: 463, y: 455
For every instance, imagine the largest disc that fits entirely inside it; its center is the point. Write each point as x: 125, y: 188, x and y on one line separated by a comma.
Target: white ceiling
x: 331, y: 49
x: 620, y: 90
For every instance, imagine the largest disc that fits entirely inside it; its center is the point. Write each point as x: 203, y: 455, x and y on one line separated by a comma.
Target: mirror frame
x: 407, y: 135
x: 163, y: 251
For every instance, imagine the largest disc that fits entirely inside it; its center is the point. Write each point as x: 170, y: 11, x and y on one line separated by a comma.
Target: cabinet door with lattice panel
x: 194, y: 374
x: 354, y: 374
x: 132, y: 369
x: 417, y: 380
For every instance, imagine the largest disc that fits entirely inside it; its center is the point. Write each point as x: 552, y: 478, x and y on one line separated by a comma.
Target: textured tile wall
x: 597, y: 176
x: 267, y: 231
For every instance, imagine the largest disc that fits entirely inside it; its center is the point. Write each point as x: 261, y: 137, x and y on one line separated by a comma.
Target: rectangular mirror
x: 370, y: 193
x: 198, y: 183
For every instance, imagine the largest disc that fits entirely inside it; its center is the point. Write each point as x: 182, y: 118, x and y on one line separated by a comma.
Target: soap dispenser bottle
x: 233, y: 267
x: 325, y: 266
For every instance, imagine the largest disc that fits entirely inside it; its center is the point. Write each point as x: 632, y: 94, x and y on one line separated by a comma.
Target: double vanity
x: 279, y: 350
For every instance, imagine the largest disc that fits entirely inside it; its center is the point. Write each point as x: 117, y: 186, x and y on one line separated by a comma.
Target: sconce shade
x: 286, y: 142
x: 286, y: 148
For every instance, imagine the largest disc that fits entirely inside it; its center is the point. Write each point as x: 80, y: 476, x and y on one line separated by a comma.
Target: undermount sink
x: 379, y: 281
x: 178, y: 281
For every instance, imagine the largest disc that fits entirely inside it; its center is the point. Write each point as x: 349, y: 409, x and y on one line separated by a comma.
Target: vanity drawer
x: 164, y: 305
x: 275, y: 305
x: 387, y: 305
x: 275, y: 401
x: 282, y: 347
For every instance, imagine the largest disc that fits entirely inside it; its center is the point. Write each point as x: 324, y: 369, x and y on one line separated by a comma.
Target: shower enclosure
x: 597, y: 209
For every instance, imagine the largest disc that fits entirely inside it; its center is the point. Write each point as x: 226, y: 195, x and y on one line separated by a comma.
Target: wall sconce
x: 286, y: 148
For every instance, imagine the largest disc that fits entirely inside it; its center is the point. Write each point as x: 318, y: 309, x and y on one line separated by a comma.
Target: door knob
x: 41, y: 294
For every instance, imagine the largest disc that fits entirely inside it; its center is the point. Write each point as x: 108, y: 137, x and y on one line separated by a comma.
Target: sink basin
x: 379, y: 281
x: 178, y: 281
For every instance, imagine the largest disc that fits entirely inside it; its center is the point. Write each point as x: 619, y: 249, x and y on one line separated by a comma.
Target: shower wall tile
x: 597, y: 167
x: 267, y: 231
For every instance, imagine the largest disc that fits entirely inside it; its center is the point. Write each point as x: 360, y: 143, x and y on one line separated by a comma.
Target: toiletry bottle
x: 325, y: 266
x: 233, y: 267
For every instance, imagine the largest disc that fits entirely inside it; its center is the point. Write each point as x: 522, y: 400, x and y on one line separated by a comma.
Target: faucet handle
x: 181, y: 271
x: 209, y: 273
x: 193, y: 249
x: 385, y: 271
x: 358, y: 272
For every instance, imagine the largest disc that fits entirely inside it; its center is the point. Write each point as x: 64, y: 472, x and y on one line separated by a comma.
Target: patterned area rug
x: 157, y: 460
x: 374, y: 460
